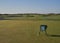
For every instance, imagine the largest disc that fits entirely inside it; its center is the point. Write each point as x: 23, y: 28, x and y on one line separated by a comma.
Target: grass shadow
x: 53, y: 35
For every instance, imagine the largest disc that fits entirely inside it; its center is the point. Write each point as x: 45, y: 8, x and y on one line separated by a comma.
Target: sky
x: 29, y: 6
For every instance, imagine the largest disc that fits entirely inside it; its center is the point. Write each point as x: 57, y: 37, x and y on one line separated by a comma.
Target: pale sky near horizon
x: 29, y: 6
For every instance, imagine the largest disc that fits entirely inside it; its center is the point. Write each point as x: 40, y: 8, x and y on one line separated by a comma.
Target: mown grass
x: 27, y: 31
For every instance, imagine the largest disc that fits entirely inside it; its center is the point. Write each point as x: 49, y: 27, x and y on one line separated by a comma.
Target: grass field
x: 27, y: 31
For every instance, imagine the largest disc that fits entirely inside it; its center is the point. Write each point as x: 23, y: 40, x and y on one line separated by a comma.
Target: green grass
x: 34, y: 17
x: 27, y: 31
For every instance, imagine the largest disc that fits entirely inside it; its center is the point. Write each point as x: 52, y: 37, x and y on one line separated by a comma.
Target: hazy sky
x: 29, y: 6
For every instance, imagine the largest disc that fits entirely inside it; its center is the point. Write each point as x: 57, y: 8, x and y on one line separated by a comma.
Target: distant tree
x: 6, y: 14
x: 51, y: 13
x: 58, y: 14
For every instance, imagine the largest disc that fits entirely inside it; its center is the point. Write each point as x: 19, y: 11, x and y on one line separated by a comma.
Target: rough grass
x: 27, y: 31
